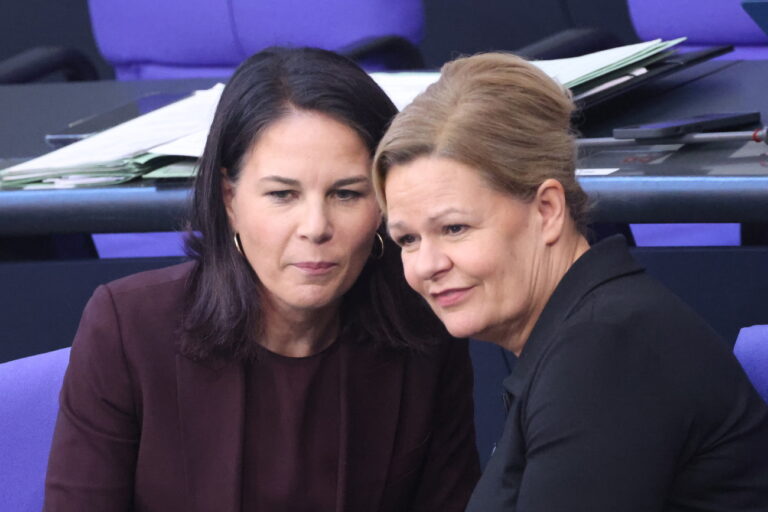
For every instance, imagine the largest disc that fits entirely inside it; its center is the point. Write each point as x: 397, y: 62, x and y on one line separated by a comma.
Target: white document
x: 595, y: 172
x: 403, y: 87
x: 578, y: 70
x: 133, y: 137
x: 191, y: 145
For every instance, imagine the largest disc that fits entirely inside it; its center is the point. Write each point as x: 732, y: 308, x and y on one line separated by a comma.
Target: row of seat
x: 144, y: 39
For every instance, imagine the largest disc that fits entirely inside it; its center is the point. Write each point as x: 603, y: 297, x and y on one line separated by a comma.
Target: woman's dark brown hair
x: 222, y: 314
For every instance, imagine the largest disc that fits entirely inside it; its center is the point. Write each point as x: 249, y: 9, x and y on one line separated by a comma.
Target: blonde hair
x: 498, y: 114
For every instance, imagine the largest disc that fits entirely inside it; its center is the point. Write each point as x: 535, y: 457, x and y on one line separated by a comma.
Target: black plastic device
x: 678, y: 127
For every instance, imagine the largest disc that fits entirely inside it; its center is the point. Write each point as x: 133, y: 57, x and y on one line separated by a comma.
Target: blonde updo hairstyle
x: 496, y: 113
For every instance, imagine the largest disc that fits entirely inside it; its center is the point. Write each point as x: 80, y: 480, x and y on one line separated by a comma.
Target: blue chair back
x: 149, y: 39
x: 751, y: 349
x: 491, y: 365
x: 704, y: 22
x: 30, y: 402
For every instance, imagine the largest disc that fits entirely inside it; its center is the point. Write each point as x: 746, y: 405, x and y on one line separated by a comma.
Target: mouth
x: 451, y: 296
x: 315, y: 268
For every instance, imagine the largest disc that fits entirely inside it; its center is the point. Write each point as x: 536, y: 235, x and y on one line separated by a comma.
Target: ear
x: 228, y: 194
x: 552, y: 210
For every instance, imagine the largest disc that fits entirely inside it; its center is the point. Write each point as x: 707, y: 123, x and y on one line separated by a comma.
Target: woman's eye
x: 454, y: 229
x: 281, y: 195
x: 405, y: 240
x: 347, y: 194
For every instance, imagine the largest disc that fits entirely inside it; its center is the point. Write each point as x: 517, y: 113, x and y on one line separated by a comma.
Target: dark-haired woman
x: 287, y: 367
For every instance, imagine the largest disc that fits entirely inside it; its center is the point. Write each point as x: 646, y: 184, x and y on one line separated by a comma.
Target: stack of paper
x: 120, y: 153
x: 402, y: 88
x: 179, y: 130
x: 578, y: 71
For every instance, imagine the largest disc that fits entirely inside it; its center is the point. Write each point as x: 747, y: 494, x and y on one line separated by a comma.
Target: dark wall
x: 453, y: 27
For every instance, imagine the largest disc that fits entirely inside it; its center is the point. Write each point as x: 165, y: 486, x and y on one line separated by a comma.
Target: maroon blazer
x: 142, y: 427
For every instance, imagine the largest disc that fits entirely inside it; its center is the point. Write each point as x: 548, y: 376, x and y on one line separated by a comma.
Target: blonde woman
x: 623, y: 399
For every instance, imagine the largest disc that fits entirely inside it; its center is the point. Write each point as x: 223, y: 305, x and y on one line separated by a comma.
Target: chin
x: 461, y: 327
x: 310, y: 301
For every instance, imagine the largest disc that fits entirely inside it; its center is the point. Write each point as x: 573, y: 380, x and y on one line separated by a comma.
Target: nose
x: 315, y: 224
x: 431, y: 261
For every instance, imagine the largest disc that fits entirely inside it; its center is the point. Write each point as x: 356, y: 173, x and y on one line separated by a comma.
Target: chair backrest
x: 703, y: 22
x: 149, y: 39
x: 751, y: 349
x: 492, y: 364
x: 29, y: 389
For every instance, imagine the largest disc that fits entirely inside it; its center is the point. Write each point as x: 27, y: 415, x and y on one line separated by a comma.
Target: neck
x: 294, y: 333
x: 552, y: 264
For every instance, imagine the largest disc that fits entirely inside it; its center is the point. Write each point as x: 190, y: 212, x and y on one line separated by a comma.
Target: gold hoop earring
x: 238, y: 244
x: 380, y: 253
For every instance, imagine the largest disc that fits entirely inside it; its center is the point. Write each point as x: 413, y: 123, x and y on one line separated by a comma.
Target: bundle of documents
x: 123, y: 152
x: 166, y: 142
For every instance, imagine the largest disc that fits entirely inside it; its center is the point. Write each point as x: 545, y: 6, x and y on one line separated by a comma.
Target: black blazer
x: 624, y: 400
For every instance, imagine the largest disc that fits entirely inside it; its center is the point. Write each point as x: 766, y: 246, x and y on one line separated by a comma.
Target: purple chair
x: 147, y: 39
x: 751, y: 350
x: 30, y: 401
x: 704, y: 22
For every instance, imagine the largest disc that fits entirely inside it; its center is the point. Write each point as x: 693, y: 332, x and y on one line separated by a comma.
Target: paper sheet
x: 133, y: 137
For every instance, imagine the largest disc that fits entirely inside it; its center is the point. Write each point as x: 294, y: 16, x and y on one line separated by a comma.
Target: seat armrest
x: 38, y: 62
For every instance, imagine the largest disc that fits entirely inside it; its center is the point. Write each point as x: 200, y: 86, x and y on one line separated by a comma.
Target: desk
x: 137, y: 207
x: 726, y: 286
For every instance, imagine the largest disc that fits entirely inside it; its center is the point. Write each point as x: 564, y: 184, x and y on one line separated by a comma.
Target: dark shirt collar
x: 604, y: 261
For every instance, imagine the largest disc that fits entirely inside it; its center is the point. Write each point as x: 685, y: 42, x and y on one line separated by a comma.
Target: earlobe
x: 550, y: 201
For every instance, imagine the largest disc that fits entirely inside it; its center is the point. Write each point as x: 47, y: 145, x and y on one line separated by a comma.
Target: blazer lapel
x: 372, y: 380
x: 211, y: 408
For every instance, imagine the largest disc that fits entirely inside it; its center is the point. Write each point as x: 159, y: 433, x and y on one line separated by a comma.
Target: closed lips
x: 450, y: 296
x: 320, y: 265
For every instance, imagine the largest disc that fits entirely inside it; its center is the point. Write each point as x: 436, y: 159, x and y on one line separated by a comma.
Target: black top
x: 623, y: 400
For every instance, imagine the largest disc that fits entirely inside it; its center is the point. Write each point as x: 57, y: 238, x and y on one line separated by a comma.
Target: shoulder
x: 153, y: 293
x: 637, y: 310
x: 135, y: 314
x: 166, y: 279
x: 632, y: 344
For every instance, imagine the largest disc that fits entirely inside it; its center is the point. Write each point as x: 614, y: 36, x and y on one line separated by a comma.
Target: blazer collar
x: 211, y: 402
x: 604, y: 261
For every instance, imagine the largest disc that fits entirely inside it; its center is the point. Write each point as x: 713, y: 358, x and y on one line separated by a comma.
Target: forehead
x: 431, y: 191
x: 304, y: 141
x: 432, y: 180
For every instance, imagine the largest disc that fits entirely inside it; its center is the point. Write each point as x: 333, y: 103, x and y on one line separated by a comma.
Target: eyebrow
x: 432, y: 219
x: 280, y: 179
x: 351, y: 181
x: 338, y: 183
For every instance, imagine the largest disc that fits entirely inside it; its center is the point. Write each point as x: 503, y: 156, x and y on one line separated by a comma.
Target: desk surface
x: 678, y: 194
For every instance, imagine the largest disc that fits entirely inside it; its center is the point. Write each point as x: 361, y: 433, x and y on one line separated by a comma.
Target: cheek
x: 409, y: 271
